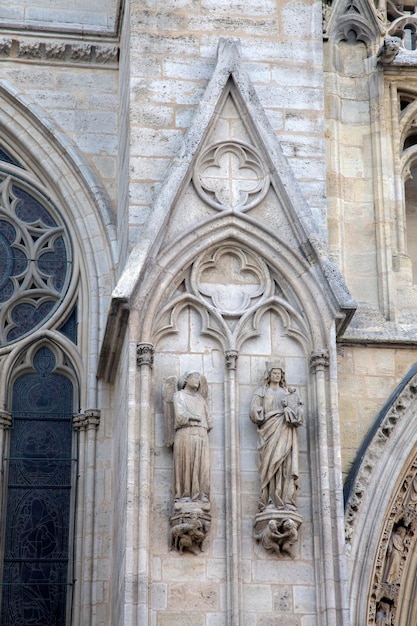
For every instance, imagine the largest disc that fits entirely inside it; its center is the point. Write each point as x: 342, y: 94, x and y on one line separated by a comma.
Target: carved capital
x: 319, y: 360
x: 5, y: 419
x: 90, y: 420
x: 231, y: 359
x: 144, y: 354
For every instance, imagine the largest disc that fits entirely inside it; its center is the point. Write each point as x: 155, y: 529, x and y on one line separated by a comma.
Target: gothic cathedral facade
x: 208, y: 313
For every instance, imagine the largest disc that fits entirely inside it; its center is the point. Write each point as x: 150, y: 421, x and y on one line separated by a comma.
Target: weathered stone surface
x: 152, y: 137
x: 202, y: 596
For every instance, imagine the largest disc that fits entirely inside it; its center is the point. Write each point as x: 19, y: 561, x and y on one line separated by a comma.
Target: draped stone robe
x: 191, y: 446
x: 278, y: 447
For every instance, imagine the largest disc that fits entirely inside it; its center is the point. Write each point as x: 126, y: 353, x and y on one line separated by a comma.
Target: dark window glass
x: 69, y: 327
x: 7, y: 157
x: 36, y: 555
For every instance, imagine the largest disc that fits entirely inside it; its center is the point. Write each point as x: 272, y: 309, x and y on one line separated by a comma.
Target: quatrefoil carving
x: 231, y: 280
x: 231, y: 175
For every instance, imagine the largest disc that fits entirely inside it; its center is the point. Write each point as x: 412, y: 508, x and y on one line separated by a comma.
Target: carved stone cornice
x: 231, y: 357
x: 144, y: 354
x: 319, y: 360
x: 61, y: 52
x: 5, y: 419
x: 88, y: 420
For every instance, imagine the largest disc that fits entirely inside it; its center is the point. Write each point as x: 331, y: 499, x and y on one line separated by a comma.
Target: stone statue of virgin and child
x: 277, y: 410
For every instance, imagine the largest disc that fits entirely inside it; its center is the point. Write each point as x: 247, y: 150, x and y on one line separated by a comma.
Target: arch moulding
x: 49, y: 157
x: 381, y: 514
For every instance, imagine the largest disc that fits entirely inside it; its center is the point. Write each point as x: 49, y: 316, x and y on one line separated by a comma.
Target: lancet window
x: 38, y: 444
x: 40, y: 468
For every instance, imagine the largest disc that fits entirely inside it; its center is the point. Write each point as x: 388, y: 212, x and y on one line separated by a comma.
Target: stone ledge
x: 58, y: 51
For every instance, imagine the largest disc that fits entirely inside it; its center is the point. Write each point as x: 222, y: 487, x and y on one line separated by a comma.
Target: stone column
x: 232, y: 490
x: 5, y: 424
x: 319, y: 363
x: 87, y: 425
x: 144, y: 352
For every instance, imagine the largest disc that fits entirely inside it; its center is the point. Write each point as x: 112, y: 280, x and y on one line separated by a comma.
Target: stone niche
x: 231, y: 276
x: 224, y: 319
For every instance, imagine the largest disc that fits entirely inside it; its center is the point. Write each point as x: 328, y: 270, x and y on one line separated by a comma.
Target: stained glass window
x: 40, y: 468
x: 69, y: 327
x: 35, y: 259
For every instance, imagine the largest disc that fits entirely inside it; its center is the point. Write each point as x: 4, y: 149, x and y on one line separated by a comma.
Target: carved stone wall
x: 191, y: 172
x: 231, y: 273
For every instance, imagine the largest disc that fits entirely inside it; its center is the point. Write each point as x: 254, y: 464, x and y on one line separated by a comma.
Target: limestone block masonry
x: 236, y: 182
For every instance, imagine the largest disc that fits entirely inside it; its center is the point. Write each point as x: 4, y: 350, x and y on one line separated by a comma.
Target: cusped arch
x: 354, y: 16
x: 53, y: 159
x: 302, y: 280
x: 378, y: 502
x: 20, y: 359
x: 303, y: 259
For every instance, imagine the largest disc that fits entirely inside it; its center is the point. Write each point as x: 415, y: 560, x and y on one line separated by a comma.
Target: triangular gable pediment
x: 230, y: 130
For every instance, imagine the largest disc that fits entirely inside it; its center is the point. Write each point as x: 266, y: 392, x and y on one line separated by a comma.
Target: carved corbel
x: 277, y: 531
x: 231, y: 359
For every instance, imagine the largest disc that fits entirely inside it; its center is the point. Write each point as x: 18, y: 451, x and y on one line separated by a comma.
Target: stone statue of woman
x: 192, y: 422
x: 394, y: 554
x: 187, y: 424
x: 277, y: 411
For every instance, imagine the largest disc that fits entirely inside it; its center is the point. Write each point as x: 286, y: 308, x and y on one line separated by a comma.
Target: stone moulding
x: 395, y: 550
x: 374, y: 448
x: 377, y: 504
x: 58, y: 51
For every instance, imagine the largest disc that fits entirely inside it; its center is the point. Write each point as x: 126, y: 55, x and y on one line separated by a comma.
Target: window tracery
x: 35, y: 255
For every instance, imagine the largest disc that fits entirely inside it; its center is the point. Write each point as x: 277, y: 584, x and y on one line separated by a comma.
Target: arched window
x: 55, y: 229
x: 40, y: 468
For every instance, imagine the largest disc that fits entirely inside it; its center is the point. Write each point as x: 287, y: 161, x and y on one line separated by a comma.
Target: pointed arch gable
x: 229, y: 76
x: 380, y: 500
x: 359, y: 16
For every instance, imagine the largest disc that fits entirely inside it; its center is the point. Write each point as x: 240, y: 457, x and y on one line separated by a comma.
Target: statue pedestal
x: 190, y: 525
x: 277, y: 530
